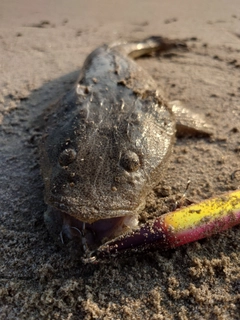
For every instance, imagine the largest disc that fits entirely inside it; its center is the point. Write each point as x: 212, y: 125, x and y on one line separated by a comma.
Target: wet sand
x: 42, y: 48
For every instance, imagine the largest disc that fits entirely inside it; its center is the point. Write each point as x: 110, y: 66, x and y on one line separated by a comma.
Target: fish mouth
x: 92, y: 234
x: 94, y: 225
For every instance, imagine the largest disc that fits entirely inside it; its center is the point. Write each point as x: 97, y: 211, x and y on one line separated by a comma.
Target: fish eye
x: 67, y: 156
x: 130, y: 161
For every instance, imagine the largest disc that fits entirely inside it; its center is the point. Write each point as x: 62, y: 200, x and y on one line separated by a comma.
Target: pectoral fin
x: 189, y: 123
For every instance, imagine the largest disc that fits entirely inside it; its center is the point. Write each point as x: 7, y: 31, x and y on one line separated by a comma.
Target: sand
x: 42, y: 47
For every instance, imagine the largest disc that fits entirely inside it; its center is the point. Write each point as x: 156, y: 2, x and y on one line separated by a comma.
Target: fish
x: 107, y: 143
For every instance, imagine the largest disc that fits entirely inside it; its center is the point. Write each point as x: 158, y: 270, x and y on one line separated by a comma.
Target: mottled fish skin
x: 108, y: 140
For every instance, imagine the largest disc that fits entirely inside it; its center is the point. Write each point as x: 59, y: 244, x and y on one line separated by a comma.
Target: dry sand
x: 42, y: 47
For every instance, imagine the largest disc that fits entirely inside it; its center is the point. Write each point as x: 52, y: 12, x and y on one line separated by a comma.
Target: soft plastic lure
x: 182, y: 226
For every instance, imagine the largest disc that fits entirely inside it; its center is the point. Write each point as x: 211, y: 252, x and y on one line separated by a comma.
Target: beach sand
x: 42, y: 47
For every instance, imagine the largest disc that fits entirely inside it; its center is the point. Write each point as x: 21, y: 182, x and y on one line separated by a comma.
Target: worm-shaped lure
x: 182, y: 226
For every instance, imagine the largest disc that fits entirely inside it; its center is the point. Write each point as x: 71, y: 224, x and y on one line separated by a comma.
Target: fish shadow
x: 21, y: 191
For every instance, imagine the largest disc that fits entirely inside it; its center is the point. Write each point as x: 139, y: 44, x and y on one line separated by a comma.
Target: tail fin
x: 148, y: 46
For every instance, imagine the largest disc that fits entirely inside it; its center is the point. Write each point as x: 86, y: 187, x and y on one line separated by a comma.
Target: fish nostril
x: 130, y: 161
x: 67, y: 156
